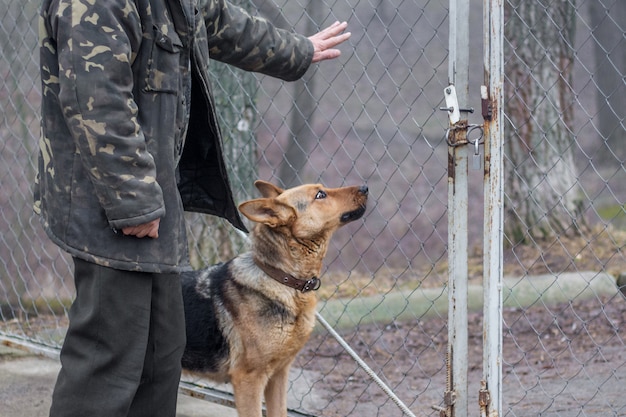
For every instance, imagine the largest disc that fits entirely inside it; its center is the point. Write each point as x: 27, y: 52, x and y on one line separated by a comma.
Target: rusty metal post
x: 490, y: 395
x: 456, y: 398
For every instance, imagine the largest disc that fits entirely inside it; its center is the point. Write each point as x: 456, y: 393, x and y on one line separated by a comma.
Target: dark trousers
x: 122, y: 352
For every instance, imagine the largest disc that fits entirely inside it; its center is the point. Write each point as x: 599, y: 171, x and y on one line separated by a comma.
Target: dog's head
x: 307, y: 211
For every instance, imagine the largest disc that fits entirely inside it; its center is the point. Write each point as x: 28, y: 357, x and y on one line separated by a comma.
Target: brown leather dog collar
x: 303, y: 285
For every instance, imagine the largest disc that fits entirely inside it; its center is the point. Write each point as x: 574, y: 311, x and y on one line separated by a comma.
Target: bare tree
x: 301, y: 131
x: 541, y: 177
x: 302, y: 134
x: 608, y: 24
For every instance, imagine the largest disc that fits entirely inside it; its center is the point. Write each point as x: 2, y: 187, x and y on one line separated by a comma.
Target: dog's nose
x: 363, y: 189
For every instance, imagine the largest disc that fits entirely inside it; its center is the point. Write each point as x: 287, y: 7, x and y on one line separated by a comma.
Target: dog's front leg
x: 276, y: 393
x: 248, y: 390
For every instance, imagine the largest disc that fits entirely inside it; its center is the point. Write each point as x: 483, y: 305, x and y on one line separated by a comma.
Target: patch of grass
x: 614, y: 214
x: 601, y: 248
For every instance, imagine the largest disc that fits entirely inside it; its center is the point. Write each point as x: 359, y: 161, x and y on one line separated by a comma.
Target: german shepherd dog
x: 246, y: 319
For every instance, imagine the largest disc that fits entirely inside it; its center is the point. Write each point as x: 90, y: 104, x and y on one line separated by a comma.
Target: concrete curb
x: 428, y: 302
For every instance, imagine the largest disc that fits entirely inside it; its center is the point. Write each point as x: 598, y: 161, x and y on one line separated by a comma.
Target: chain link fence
x: 372, y: 116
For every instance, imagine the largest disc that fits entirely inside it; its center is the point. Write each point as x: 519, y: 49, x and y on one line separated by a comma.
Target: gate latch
x: 452, y: 105
x: 487, y: 110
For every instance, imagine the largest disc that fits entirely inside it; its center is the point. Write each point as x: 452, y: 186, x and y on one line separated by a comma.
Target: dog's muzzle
x: 349, y: 216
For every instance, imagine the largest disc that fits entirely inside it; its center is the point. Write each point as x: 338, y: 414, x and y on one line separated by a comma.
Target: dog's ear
x: 267, y: 189
x: 268, y: 211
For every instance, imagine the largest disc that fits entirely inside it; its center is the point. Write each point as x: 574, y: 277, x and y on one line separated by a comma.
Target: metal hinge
x: 484, y: 398
x: 449, y: 398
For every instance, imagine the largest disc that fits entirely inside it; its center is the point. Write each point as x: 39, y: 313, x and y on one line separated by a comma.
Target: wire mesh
x: 372, y: 117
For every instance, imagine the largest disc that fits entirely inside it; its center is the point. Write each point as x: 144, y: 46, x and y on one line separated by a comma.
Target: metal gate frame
x: 460, y: 148
x: 492, y: 99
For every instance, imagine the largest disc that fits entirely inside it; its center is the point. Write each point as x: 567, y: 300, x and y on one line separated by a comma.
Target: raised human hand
x: 325, y: 41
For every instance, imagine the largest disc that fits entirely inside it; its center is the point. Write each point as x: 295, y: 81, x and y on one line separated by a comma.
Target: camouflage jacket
x: 129, y: 132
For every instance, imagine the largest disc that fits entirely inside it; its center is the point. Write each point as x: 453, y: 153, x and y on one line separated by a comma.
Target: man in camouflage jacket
x: 130, y: 140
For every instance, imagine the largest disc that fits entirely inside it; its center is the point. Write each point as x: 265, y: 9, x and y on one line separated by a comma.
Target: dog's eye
x: 320, y: 194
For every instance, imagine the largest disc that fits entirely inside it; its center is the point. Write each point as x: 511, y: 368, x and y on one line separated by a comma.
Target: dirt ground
x: 561, y: 360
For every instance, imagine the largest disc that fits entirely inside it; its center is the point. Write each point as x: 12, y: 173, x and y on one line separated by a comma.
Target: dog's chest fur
x: 235, y: 315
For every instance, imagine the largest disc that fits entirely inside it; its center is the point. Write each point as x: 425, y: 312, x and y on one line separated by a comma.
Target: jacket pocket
x: 164, y: 63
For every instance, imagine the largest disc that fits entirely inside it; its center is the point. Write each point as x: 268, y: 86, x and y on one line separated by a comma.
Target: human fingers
x: 333, y: 30
x: 150, y: 229
x: 330, y: 36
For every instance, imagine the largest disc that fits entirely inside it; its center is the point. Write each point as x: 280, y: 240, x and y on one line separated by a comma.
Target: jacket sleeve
x: 253, y: 43
x: 95, y: 43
